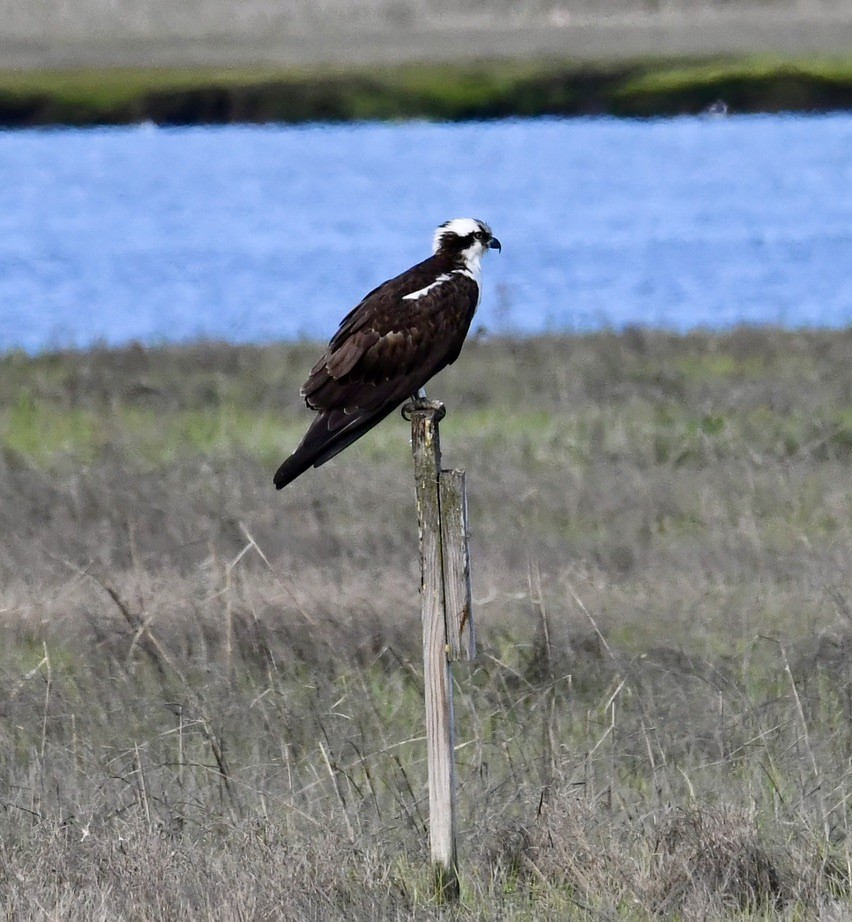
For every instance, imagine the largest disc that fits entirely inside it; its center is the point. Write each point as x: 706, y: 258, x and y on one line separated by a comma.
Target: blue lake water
x: 259, y: 233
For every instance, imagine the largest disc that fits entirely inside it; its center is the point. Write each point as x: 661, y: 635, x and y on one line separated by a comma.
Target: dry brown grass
x: 210, y: 693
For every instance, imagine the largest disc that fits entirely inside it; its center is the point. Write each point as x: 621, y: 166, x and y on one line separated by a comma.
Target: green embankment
x: 473, y: 91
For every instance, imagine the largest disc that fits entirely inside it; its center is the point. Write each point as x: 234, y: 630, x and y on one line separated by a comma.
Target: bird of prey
x: 399, y: 336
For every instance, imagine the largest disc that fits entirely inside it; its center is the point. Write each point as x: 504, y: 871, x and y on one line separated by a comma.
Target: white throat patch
x: 472, y: 257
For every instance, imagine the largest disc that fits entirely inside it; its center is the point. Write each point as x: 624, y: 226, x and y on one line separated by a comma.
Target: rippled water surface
x: 259, y: 233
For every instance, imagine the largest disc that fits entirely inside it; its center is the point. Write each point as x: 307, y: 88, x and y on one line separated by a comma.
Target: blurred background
x: 97, y: 32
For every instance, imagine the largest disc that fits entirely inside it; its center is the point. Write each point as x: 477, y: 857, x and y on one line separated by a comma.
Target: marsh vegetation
x: 454, y: 92
x: 211, y: 693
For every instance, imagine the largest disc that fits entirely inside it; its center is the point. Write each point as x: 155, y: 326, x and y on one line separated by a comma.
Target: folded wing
x: 385, y: 350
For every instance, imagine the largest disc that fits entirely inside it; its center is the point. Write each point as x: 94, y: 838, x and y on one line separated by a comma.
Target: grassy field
x: 211, y: 693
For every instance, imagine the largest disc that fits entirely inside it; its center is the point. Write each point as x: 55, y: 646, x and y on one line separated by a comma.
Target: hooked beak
x: 494, y: 244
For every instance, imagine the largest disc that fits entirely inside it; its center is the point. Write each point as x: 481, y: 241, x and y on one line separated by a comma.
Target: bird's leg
x: 420, y: 402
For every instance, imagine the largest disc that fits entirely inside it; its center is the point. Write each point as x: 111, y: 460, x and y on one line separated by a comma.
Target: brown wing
x: 385, y: 350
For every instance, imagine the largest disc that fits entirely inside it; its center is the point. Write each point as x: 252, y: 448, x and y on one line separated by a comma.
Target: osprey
x: 399, y: 336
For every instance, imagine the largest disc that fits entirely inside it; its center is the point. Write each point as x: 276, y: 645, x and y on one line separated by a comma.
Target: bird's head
x: 465, y: 240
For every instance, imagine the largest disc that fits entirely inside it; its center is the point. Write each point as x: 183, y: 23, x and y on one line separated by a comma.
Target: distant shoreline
x: 452, y: 92
x: 103, y: 63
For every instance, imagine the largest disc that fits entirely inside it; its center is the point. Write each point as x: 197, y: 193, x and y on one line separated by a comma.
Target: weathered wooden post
x: 447, y: 624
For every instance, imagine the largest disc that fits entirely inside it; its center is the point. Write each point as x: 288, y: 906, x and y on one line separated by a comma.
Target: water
x: 253, y: 234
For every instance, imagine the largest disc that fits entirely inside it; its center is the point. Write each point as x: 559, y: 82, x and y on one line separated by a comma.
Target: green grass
x: 43, y: 433
x: 712, y: 74
x: 756, y: 84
